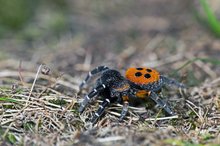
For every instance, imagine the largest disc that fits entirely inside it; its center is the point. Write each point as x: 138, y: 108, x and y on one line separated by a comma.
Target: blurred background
x: 74, y: 36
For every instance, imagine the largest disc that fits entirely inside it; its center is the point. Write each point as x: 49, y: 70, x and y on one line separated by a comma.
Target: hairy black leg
x: 92, y: 73
x: 88, y: 97
x: 100, y: 111
x: 161, y: 103
x: 124, y: 110
x: 168, y: 81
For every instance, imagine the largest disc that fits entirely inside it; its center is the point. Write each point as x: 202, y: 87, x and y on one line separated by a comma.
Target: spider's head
x: 120, y: 89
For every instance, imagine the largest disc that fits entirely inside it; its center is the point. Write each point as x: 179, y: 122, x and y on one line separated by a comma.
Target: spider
x: 138, y: 84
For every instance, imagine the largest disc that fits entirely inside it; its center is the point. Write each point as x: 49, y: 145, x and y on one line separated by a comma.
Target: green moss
x: 175, y: 142
x: 58, y: 101
x: 11, y: 138
x: 29, y: 126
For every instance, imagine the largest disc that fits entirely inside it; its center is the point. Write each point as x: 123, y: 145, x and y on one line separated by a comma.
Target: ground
x: 47, y: 54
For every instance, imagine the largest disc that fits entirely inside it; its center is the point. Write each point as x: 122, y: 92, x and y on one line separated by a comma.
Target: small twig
x: 19, y: 71
x: 50, y: 85
x: 148, y: 119
x: 68, y: 107
x: 189, y: 103
x: 212, y: 83
x: 34, y: 82
x: 163, y: 118
x: 87, y: 62
x: 6, y: 131
x: 37, y: 103
x: 12, y: 128
x: 8, y: 73
x: 38, y: 121
x: 8, y: 121
x: 109, y: 139
x: 156, y: 117
x: 58, y: 125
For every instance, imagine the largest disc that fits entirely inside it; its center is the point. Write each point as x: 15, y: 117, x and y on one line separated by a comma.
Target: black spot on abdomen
x: 139, y: 68
x: 147, y: 76
x: 148, y: 70
x: 138, y: 74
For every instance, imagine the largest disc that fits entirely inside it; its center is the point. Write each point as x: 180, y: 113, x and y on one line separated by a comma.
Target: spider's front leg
x: 92, y: 73
x: 88, y: 97
x: 160, y: 102
x: 124, y: 110
x: 101, y: 110
x: 144, y: 94
x: 168, y: 81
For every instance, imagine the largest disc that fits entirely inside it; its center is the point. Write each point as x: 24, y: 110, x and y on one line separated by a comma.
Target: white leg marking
x: 107, y: 100
x: 87, y: 97
x: 94, y: 90
x: 164, y: 105
x: 103, y: 86
x: 97, y: 114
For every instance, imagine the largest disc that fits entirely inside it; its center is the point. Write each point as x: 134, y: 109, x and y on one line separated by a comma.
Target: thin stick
x: 9, y: 73
x: 19, y: 71
x: 35, y: 79
x: 189, y: 103
x: 149, y: 119
x: 6, y: 131
x: 160, y: 119
x: 109, y: 139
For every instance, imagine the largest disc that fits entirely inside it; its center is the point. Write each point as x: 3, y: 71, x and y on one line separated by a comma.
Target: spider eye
x: 117, y: 94
x: 124, y: 94
x: 114, y: 93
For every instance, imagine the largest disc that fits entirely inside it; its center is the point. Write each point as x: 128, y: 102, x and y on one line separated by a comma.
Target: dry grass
x: 39, y: 108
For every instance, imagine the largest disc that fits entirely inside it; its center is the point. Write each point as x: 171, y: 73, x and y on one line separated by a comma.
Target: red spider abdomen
x: 142, y: 75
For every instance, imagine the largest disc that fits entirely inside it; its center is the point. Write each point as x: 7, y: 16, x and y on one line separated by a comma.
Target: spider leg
x: 169, y: 81
x: 124, y: 110
x: 92, y: 73
x: 88, y: 97
x: 100, y: 110
x: 161, y: 103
